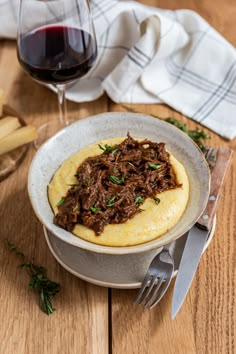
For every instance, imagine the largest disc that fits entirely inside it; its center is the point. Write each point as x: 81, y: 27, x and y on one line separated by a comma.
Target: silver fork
x: 157, y: 279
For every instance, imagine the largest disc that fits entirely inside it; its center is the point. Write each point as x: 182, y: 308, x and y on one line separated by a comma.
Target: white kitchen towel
x: 151, y: 55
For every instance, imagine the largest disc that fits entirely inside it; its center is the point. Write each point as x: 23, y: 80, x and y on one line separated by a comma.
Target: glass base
x: 47, y: 130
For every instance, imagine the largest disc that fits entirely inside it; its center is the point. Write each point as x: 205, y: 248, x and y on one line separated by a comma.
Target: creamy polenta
x: 151, y: 223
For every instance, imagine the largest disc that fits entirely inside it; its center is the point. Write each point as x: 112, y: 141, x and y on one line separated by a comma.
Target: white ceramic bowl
x: 91, y: 130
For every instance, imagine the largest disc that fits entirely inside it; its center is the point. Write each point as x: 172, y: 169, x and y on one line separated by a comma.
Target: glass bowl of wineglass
x: 56, y: 45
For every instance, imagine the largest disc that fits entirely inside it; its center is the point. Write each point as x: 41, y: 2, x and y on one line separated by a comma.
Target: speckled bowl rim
x: 116, y: 124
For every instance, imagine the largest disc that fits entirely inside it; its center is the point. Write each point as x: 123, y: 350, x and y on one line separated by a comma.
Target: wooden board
x: 80, y: 323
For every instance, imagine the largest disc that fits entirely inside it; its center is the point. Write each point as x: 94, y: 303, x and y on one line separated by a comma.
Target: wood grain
x: 85, y: 320
x: 80, y: 323
x: 211, y: 298
x: 206, y: 322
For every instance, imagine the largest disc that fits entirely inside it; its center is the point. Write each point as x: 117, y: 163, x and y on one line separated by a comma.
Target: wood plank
x: 206, y: 322
x: 221, y: 15
x: 212, y: 295
x: 80, y: 323
x: 136, y: 330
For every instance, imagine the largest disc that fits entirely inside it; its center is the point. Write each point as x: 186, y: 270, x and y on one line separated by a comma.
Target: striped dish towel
x: 150, y: 55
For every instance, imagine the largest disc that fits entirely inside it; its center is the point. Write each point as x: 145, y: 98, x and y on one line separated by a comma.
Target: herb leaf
x: 108, y: 149
x: 131, y: 164
x: 155, y: 166
x: 88, y: 182
x: 177, y: 123
x: 60, y: 202
x: 156, y: 200
x: 139, y: 200
x: 39, y: 281
x: 198, y: 136
x: 115, y: 169
x: 75, y: 208
x: 110, y: 202
x: 116, y: 180
x: 94, y: 210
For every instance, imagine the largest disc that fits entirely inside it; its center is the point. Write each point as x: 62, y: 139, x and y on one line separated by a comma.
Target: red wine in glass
x: 56, y: 45
x: 57, y: 54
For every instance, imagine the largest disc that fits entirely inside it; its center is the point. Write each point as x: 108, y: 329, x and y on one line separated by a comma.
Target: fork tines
x: 148, y: 295
x: 157, y: 279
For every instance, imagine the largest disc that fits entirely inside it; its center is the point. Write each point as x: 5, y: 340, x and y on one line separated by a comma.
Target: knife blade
x: 198, y: 234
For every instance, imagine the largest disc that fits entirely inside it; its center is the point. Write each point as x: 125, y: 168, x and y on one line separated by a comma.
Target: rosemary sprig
x: 39, y: 281
x: 198, y: 136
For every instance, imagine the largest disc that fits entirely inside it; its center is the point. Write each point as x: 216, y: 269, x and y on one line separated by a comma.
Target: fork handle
x: 223, y: 159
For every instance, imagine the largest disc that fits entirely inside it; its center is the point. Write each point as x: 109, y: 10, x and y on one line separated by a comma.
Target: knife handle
x: 218, y: 174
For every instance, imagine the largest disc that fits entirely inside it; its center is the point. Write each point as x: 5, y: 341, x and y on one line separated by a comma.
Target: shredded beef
x: 111, y: 186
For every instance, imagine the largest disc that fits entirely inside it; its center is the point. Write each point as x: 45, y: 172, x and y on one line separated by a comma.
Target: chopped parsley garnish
x: 117, y: 180
x: 156, y: 200
x: 155, y: 166
x: 110, y: 202
x: 108, y: 149
x: 60, y: 202
x: 88, y: 182
x: 139, y: 200
x: 94, y: 210
x: 111, y: 189
x: 131, y: 164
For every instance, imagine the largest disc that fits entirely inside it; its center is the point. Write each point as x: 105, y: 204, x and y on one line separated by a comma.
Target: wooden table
x: 91, y: 319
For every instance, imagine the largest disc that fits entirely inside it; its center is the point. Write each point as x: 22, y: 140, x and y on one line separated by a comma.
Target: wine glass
x: 56, y: 45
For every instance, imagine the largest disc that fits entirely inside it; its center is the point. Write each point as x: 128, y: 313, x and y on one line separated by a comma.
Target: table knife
x: 199, y: 233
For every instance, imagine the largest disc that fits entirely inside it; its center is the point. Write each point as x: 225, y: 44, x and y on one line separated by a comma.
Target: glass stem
x: 61, y: 92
